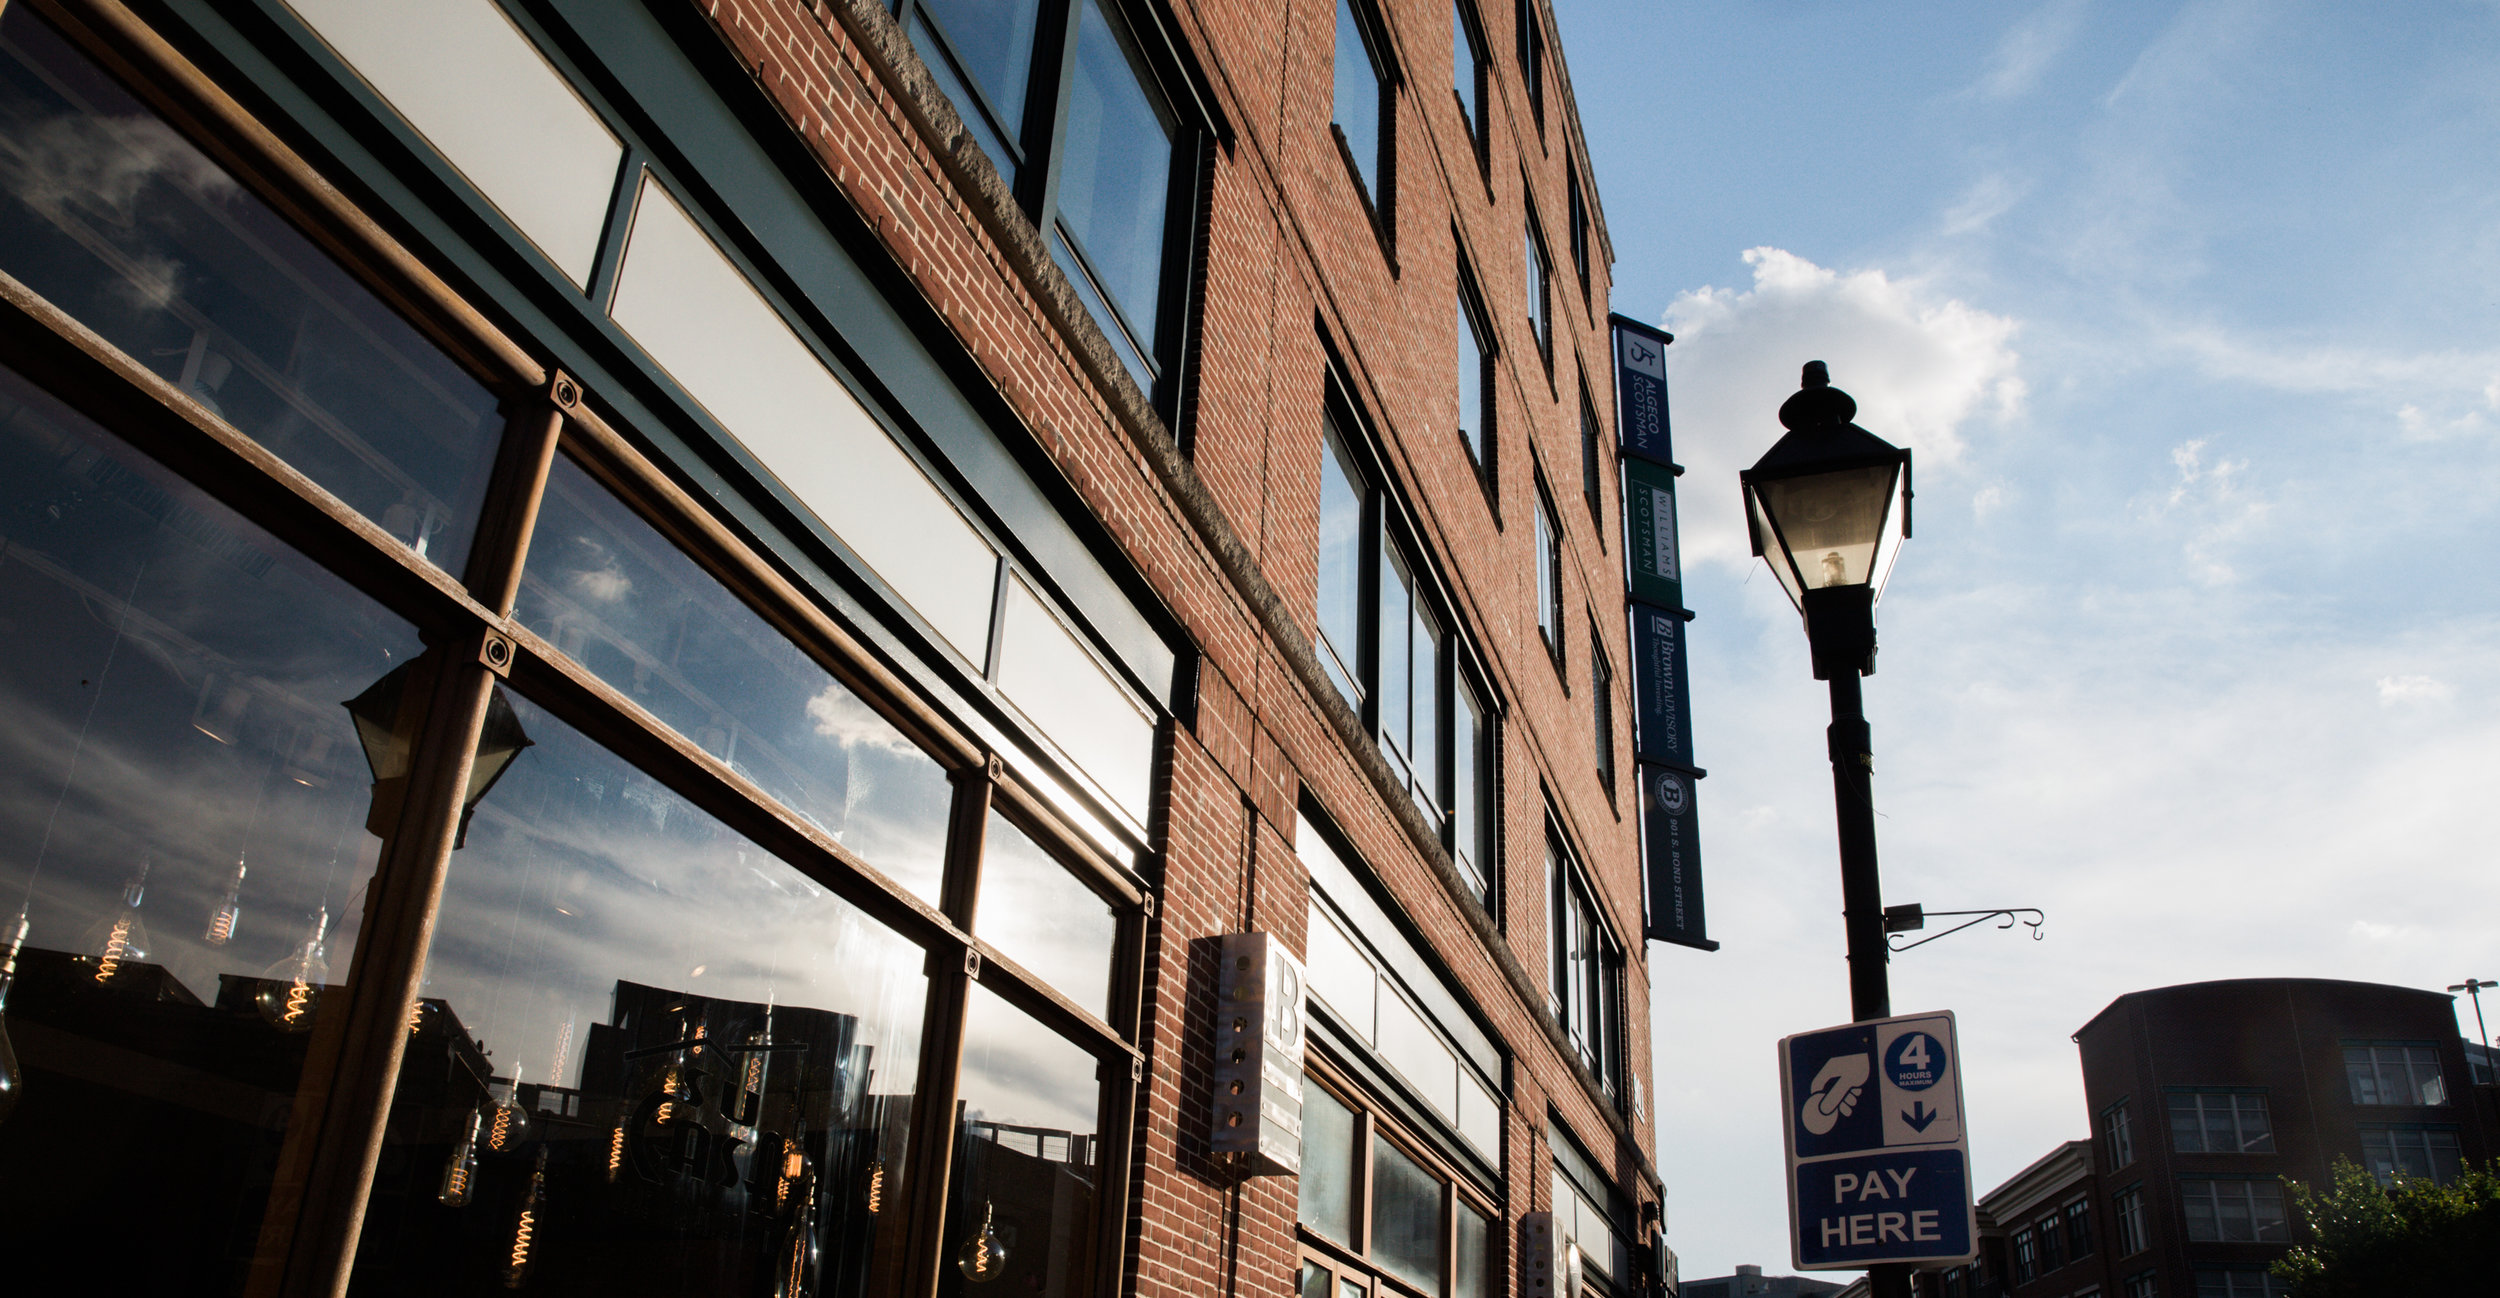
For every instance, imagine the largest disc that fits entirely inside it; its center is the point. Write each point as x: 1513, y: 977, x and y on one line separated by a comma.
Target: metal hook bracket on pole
x: 1912, y: 917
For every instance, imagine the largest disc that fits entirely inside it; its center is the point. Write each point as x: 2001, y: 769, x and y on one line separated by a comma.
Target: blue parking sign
x: 1878, y: 1164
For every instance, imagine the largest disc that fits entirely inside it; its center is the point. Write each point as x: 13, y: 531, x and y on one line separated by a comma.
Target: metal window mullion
x: 952, y: 972
x: 353, y: 1101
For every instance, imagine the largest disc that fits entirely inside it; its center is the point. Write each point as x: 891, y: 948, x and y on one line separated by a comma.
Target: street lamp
x: 2474, y: 987
x: 1828, y: 507
x: 386, y: 729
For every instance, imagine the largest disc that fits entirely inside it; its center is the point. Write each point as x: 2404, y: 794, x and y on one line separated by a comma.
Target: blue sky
x: 2192, y: 315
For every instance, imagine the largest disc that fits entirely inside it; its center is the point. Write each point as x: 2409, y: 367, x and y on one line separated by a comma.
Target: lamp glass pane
x: 1774, y: 552
x: 1832, y: 523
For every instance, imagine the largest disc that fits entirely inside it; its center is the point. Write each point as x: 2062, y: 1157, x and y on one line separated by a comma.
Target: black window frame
x: 2130, y: 1233
x: 1467, y: 31
x: 1389, y: 535
x: 1379, y: 197
x: 1537, y: 270
x: 2203, y: 1104
x: 1593, y: 1022
x: 1550, y: 595
x: 1592, y: 459
x: 1354, y: 1262
x: 1169, y: 82
x: 2117, y: 1136
x: 1532, y: 60
x: 1602, y: 707
x: 1481, y: 449
x: 2079, y: 1227
x: 1576, y: 198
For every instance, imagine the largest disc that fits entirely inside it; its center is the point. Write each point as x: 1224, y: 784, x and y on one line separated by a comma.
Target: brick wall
x: 1292, y: 257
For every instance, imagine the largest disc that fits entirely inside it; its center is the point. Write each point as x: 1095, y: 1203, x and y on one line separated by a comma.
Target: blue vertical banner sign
x: 1662, y: 696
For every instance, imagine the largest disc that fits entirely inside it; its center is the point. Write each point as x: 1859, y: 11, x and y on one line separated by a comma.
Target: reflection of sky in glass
x: 1044, y: 918
x: 1115, y: 169
x: 171, y: 678
x: 581, y: 873
x: 113, y: 217
x: 609, y: 590
x: 1018, y: 1072
x: 136, y: 618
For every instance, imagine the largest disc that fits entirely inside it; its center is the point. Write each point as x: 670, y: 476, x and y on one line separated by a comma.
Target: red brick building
x: 857, y: 540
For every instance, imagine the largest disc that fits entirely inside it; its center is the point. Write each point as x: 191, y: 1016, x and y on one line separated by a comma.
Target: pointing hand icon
x: 1835, y: 1092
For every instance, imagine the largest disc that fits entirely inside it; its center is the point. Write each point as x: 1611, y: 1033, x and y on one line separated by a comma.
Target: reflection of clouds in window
x: 559, y: 898
x: 614, y: 594
x: 99, y: 165
x: 1016, y: 1071
x: 1044, y: 918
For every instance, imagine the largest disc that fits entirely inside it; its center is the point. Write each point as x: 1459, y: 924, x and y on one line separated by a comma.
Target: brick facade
x: 1225, y: 531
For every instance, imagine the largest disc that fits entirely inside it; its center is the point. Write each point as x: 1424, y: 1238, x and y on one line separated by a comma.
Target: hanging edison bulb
x: 460, y: 1173
x: 792, y: 1169
x: 290, y: 990
x: 222, y: 920
x: 507, y: 1123
x: 525, y: 1227
x: 120, y: 939
x: 616, y: 1153
x: 876, y: 1186
x: 797, y: 1263
x: 983, y: 1257
x: 11, y: 1080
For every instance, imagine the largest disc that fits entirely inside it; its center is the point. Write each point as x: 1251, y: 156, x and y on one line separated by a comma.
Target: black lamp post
x: 1828, y: 507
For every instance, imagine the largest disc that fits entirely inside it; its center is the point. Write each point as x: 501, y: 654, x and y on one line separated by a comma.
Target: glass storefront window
x: 1327, y: 1181
x: 1045, y: 918
x: 184, y: 840
x: 1406, y: 1218
x: 611, y: 592
x: 1027, y: 1169
x: 122, y: 223
x: 691, y: 1066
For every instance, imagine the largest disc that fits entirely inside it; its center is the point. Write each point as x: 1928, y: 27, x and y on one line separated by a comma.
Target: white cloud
x: 1989, y: 197
x: 2393, y: 690
x: 2027, y: 49
x: 1923, y: 366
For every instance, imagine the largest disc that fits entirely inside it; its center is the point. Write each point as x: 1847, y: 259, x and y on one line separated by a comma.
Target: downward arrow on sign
x: 1920, y: 1117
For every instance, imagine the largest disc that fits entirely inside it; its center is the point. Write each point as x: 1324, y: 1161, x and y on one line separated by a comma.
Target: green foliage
x: 2363, y: 1240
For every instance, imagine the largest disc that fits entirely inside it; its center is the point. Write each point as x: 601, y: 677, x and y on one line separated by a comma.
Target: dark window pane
x: 1314, y: 1281
x: 1357, y: 106
x: 1406, y: 1218
x: 1327, y: 1180
x: 688, y: 1061
x: 185, y: 834
x: 1020, y: 1208
x: 1043, y: 918
x: 114, y: 218
x: 1470, y: 801
x: 1397, y: 621
x: 996, y: 138
x: 994, y: 39
x: 1590, y: 456
x: 1463, y: 61
x: 1115, y: 172
x: 1340, y: 569
x: 610, y: 591
x: 1427, y: 742
x: 1471, y: 382
x: 1548, y: 576
x: 1472, y: 1269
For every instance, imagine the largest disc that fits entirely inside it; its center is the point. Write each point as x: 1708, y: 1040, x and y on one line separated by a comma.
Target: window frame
x: 2131, y: 1234
x: 2251, y: 1193
x: 1379, y: 199
x: 1481, y: 449
x: 2201, y: 1104
x: 1388, y: 537
x: 2118, y: 1135
x: 1467, y: 32
x: 1591, y: 1013
x: 1576, y: 201
x: 1551, y: 596
x: 1602, y: 707
x: 1593, y: 460
x: 1036, y: 141
x: 2079, y: 1235
x: 1355, y: 1262
x: 2410, y: 1056
x: 1532, y: 60
x: 549, y: 413
x: 1537, y: 268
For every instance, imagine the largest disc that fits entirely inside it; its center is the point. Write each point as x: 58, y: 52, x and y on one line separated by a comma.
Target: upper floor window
x: 2239, y: 1282
x: 2395, y: 1073
x: 1061, y: 96
x: 2026, y: 1257
x: 2143, y: 1284
x: 1364, y: 100
x: 2233, y: 1211
x: 1602, y: 704
x: 2214, y: 1123
x: 1587, y: 972
x: 2052, y: 1243
x: 1475, y: 380
x: 1540, y: 270
x: 1532, y: 59
x: 1386, y: 639
x: 1592, y: 456
x: 2117, y: 1136
x: 2079, y: 1227
x: 1467, y: 71
x: 2128, y: 1207
x: 1549, y: 575
x: 2394, y: 1152
x: 1579, y: 227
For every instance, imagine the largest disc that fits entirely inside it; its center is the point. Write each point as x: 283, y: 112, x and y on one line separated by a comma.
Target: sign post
x: 1878, y: 1162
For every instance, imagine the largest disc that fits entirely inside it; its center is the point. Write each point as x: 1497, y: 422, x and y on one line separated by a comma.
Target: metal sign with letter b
x: 1878, y: 1163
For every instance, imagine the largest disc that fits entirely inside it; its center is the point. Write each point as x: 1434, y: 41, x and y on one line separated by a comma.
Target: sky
x: 2191, y: 315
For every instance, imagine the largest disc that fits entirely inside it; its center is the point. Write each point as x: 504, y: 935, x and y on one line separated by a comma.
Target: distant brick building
x: 945, y: 509
x: 2202, y: 1099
